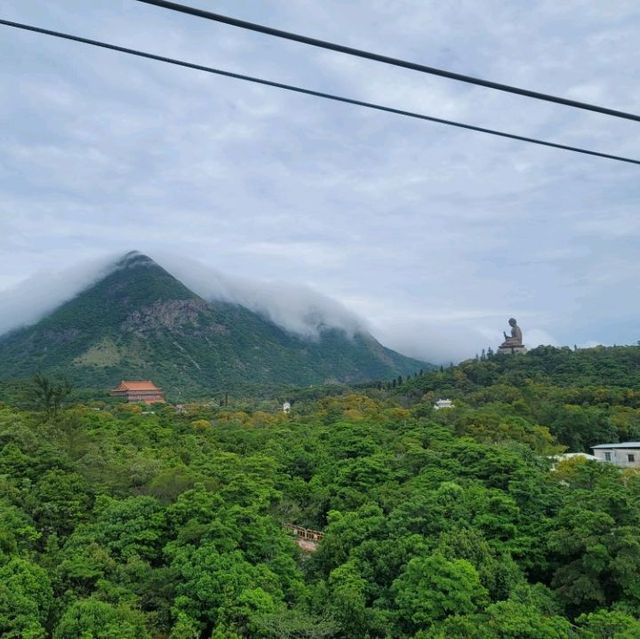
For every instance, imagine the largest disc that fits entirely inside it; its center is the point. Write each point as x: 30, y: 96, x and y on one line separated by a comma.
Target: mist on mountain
x: 296, y: 308
x: 38, y: 295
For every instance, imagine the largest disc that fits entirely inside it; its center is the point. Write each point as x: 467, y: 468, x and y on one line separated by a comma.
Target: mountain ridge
x: 140, y: 321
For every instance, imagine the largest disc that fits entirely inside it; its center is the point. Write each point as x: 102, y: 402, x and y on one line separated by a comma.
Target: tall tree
x: 48, y: 395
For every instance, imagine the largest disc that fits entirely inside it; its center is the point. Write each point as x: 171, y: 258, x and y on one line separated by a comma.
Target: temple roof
x: 143, y: 385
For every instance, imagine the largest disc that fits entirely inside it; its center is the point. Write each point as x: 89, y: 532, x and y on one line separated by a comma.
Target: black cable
x: 323, y: 44
x: 318, y: 94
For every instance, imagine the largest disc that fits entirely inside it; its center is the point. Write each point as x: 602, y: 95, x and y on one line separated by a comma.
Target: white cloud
x: 29, y: 300
x: 298, y: 309
x: 442, y: 341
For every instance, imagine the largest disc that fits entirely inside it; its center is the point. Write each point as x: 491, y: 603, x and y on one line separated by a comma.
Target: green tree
x: 498, y: 573
x: 48, y: 395
x: 25, y: 600
x: 17, y: 531
x: 60, y: 501
x: 608, y: 624
x: 512, y: 620
x: 502, y: 620
x: 600, y: 560
x: 223, y: 590
x: 347, y: 600
x: 432, y: 588
x: 94, y: 619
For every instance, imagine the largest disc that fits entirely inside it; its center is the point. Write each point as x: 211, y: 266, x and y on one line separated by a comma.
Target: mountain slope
x: 141, y: 322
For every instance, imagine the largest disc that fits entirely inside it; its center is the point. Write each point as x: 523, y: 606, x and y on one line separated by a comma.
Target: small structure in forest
x: 286, y: 408
x: 139, y: 391
x: 625, y: 454
x: 306, y: 538
x: 443, y: 403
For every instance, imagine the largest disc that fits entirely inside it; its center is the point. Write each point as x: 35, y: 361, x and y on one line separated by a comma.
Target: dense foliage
x: 121, y: 522
x: 584, y: 396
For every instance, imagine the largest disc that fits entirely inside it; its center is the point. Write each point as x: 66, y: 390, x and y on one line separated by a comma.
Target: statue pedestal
x: 511, y: 350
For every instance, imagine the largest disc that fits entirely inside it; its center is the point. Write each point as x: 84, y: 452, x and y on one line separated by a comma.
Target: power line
x: 332, y: 46
x: 318, y: 94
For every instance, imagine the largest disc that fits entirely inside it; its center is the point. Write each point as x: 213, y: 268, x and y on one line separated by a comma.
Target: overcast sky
x: 436, y: 236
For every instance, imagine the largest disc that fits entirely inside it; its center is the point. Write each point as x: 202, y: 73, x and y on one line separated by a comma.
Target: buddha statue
x: 513, y: 343
x: 516, y: 334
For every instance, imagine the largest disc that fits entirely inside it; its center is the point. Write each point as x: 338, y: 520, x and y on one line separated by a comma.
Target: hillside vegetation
x: 140, y: 322
x: 584, y: 397
x: 121, y: 522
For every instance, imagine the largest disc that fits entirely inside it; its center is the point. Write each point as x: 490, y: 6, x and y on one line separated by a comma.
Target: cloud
x: 297, y: 309
x: 441, y: 342
x: 28, y: 301
x: 540, y: 337
x: 430, y: 341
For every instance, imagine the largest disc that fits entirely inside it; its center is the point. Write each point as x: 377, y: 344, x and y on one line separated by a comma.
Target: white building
x: 286, y: 407
x: 625, y: 454
x: 443, y: 403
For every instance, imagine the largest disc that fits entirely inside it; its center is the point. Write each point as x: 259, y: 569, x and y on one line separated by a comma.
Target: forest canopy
x: 128, y: 522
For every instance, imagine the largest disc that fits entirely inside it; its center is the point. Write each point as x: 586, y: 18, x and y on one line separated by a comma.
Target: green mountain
x: 139, y: 322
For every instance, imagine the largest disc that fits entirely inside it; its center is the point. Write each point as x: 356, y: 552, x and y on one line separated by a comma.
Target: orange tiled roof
x: 144, y: 385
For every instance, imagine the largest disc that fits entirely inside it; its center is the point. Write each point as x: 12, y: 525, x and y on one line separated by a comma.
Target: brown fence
x: 304, y: 533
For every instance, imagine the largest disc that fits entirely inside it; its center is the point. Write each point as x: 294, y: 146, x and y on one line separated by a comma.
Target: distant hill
x: 141, y: 322
x: 601, y: 366
x: 583, y: 396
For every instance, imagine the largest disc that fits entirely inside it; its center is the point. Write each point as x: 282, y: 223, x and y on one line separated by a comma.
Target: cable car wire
x: 311, y: 92
x: 369, y: 55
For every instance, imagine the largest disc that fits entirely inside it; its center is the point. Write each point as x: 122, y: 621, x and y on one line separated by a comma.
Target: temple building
x: 139, y: 391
